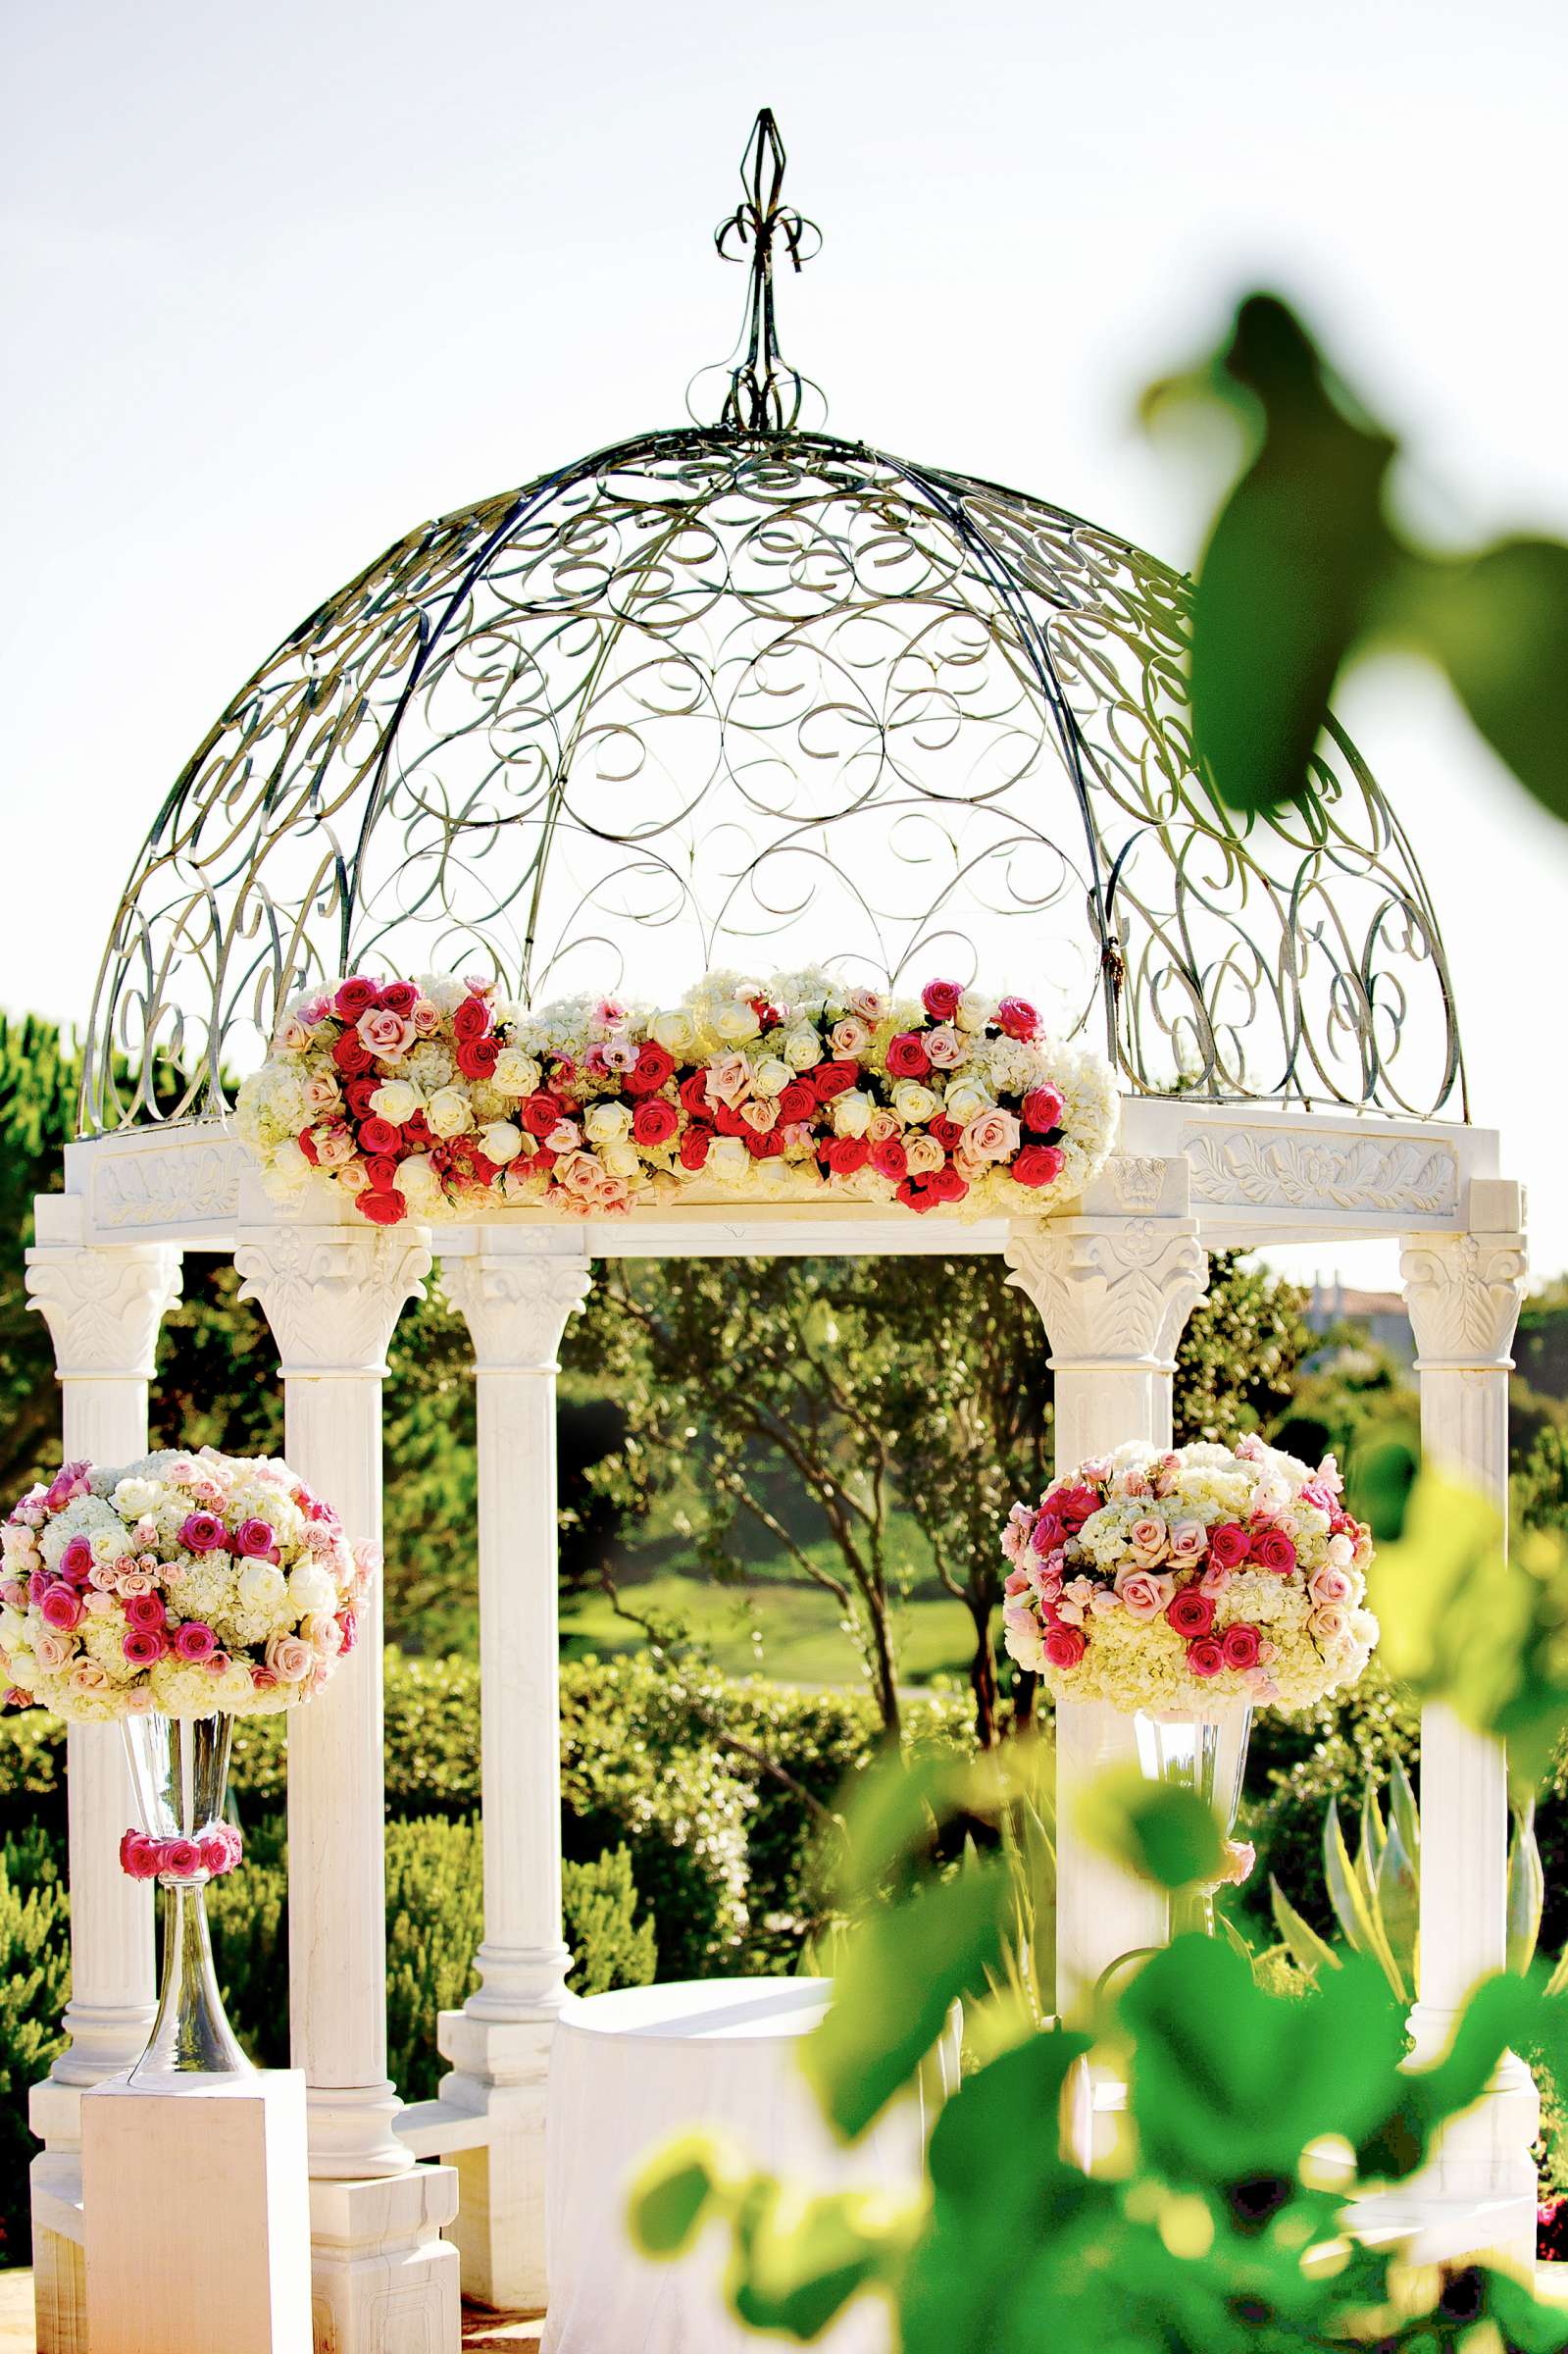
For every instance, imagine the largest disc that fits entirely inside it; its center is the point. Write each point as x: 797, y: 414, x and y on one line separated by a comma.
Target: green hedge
x: 34, y: 1983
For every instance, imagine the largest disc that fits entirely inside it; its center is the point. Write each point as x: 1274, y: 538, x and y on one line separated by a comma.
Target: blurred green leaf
x: 1499, y: 624
x: 1163, y: 1834
x: 1287, y: 581
x: 902, y: 1969
x: 1307, y: 1949
x: 895, y: 1810
x: 1378, y: 1482
x: 672, y: 2195
x: 798, y: 2261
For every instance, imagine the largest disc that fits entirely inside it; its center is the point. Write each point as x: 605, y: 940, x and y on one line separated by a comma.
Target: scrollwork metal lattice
x: 721, y: 696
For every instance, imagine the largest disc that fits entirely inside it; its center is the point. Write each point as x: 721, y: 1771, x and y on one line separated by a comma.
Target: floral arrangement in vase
x: 174, y: 1594
x: 430, y: 1097
x: 1190, y: 1581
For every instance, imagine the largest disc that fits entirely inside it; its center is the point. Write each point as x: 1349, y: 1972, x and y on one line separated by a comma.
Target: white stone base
x: 383, y: 2278
x: 488, y: 2117
x: 198, y: 2227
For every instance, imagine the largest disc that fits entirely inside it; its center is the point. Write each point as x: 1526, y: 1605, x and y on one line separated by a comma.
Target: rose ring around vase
x: 179, y: 1770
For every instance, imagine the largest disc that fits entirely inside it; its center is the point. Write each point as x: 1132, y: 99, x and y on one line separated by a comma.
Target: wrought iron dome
x: 743, y: 693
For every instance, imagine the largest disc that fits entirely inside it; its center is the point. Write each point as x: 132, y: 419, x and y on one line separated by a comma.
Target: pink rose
x: 1017, y: 1018
x: 1145, y: 1593
x: 255, y: 1538
x: 870, y: 1003
x: 1329, y: 1585
x: 729, y: 1080
x: 349, y: 1627
x: 1215, y: 1579
x: 288, y: 1659
x: 1043, y: 1109
x: 1274, y: 1550
x: 1105, y: 1601
x: 1077, y: 1504
x: 13, y: 1593
x: 1204, y: 1658
x: 139, y: 1856
x: 218, y: 1847
x: 181, y: 1859
x: 1149, y: 1536
x: 1065, y: 1646
x: 848, y: 1037
x: 316, y: 1009
x: 52, y: 1650
x: 1189, y: 1541
x: 425, y: 1017
x: 946, y: 1047
x: 385, y: 1034
x: 332, y: 1145
x: 203, y: 1532
x: 195, y: 1642
x: 144, y: 1646
x: 1240, y: 1645
x: 942, y: 1000
x: 1329, y: 1623
x: 75, y: 1563
x: 1228, y: 1545
x: 145, y: 1610
x: 61, y: 1609
x: 1240, y: 1858
x: 1049, y: 1534
x: 292, y: 1035
x: 1191, y: 1612
x: 1015, y: 1582
x: 993, y: 1135
x: 68, y: 1483
x: 89, y: 1678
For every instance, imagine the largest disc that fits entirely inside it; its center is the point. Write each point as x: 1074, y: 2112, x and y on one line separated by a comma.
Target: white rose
x: 673, y: 1031
x: 288, y: 1169
x: 500, y: 1142
x: 606, y: 1123
x: 416, y: 1180
x: 913, y: 1102
x: 135, y: 1496
x: 965, y: 1100
x: 396, y: 1102
x: 622, y: 1159
x: 261, y: 1586
x: 311, y: 1590
x: 737, y: 1022
x: 448, y: 1111
x: 851, y: 1114
x: 445, y: 991
x: 728, y: 1161
x: 974, y: 1010
x: 515, y: 1073
x: 801, y: 1049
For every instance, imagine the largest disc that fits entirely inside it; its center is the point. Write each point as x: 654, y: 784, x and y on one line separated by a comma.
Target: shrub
x: 34, y: 1985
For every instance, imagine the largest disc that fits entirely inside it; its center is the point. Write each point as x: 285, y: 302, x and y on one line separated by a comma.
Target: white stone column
x: 383, y: 2279
x: 516, y: 1293
x: 1463, y: 1293
x: 103, y: 1309
x: 1113, y: 1292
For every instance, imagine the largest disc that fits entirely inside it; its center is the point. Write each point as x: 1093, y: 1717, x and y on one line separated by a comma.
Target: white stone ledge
x: 434, y: 2128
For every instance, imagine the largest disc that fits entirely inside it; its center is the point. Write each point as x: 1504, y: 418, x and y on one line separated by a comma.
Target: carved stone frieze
x: 189, y: 1182
x: 1270, y: 1170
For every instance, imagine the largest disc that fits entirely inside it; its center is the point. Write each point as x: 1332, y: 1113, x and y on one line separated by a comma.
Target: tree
x: 38, y: 1073
x: 1235, y: 1368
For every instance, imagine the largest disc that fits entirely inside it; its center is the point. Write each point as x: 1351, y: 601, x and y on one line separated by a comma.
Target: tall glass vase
x: 1206, y: 1755
x: 179, y: 1770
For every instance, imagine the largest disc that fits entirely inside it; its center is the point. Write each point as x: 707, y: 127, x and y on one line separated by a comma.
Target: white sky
x: 280, y: 280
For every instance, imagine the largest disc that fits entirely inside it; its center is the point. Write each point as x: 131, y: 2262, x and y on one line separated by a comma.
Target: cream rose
x: 449, y: 1111
x: 396, y: 1100
x: 606, y: 1123
x: 851, y: 1114
x: 737, y: 1022
x: 801, y: 1049
x: 501, y: 1141
x: 923, y: 1156
x: 914, y: 1104
x: 965, y: 1100
x: 848, y: 1038
x: 771, y: 1077
x: 515, y: 1073
x: 673, y: 1030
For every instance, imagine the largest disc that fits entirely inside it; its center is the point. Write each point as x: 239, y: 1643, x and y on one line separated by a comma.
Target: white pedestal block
x: 198, y: 2229
x: 501, y: 2073
x: 383, y: 2280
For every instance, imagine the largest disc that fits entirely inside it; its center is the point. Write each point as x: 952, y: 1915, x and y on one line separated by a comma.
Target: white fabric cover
x: 628, y: 2071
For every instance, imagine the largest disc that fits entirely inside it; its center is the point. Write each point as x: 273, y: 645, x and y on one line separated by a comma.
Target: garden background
x: 783, y: 1483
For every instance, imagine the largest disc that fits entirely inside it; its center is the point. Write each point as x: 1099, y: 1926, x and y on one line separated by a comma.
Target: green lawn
x: 791, y: 1631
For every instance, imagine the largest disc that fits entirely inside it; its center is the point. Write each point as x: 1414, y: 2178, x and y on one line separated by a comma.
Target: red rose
x: 399, y: 997
x: 889, y: 1159
x: 539, y: 1113
x: 477, y: 1057
x: 915, y: 1197
x: 796, y: 1102
x: 695, y: 1146
x: 417, y: 1130
x: 907, y: 1059
x: 940, y: 999
x: 1229, y: 1544
x: 693, y: 1093
x: 1240, y: 1645
x: 1017, y: 1018
x: 947, y: 1186
x: 378, y: 1136
x: 354, y: 997
x: 472, y: 1019
x: 1043, y: 1109
x: 1274, y: 1550
x: 1036, y: 1165
x: 351, y: 1053
x: 844, y: 1154
x: 1050, y: 1531
x: 764, y: 1147
x: 947, y: 1133
x: 1204, y: 1657
x: 727, y: 1119
x: 357, y: 1094
x: 1065, y: 1646
x: 1191, y: 1612
x: 381, y: 1210
x: 655, y: 1122
x: 830, y: 1079
x: 381, y: 1170
x: 653, y: 1067
x: 1078, y: 1503
x: 307, y: 1145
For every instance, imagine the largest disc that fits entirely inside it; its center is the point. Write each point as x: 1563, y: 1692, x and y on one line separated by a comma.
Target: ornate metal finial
x: 766, y: 393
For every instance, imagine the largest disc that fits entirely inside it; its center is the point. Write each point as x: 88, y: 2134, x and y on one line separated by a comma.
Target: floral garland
x: 1190, y: 1581
x: 185, y: 1583
x: 431, y: 1096
x: 213, y: 1852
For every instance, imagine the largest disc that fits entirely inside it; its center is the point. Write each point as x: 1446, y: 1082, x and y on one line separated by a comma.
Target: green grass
x: 791, y: 1631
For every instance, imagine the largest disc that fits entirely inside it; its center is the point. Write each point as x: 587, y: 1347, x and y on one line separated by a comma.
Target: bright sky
x: 282, y: 282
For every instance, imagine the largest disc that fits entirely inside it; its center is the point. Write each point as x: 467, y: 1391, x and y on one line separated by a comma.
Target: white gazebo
x: 733, y: 695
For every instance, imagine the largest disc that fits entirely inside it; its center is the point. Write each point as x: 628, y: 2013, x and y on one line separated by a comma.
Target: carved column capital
x: 103, y: 1306
x: 1113, y: 1292
x: 516, y: 1307
x: 330, y: 1294
x: 1463, y: 1293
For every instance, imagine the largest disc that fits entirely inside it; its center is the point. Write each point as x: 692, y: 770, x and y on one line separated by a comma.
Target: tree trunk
x: 982, y: 1673
x: 883, y: 1676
